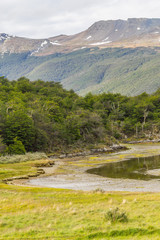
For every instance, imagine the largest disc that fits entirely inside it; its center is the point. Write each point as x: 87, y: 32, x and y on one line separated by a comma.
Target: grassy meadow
x: 46, y: 213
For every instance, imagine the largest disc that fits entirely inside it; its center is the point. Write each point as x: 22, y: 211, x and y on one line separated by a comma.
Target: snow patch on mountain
x: 76, y: 49
x: 89, y: 37
x: 106, y: 39
x: 3, y: 39
x: 4, y: 36
x: 35, y: 51
x: 43, y: 43
x: 55, y: 43
x: 100, y: 43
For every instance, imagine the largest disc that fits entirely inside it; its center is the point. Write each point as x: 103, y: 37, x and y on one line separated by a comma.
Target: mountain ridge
x: 133, y: 32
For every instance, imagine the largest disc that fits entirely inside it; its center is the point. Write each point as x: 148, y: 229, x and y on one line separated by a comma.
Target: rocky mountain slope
x: 115, y: 55
x: 113, y: 33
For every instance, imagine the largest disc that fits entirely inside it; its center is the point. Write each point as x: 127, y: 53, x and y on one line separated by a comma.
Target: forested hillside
x: 42, y: 116
x: 129, y: 71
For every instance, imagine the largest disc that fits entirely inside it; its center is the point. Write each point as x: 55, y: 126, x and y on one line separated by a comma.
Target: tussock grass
x: 115, y: 215
x: 22, y: 158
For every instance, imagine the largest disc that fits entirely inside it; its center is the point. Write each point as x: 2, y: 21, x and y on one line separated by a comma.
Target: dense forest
x: 129, y: 71
x: 42, y: 116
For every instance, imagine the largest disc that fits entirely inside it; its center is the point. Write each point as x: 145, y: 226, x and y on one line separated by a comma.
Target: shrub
x: 115, y: 215
x: 98, y: 190
x: 16, y: 148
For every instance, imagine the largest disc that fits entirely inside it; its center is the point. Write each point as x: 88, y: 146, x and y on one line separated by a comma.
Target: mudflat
x: 70, y: 173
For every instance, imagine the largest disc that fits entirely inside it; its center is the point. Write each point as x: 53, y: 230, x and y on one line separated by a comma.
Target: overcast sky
x: 47, y: 18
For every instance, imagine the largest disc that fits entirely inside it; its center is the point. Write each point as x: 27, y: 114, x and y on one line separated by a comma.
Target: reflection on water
x: 135, y: 168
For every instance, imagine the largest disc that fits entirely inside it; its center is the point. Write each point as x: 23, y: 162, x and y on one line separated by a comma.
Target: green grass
x: 46, y: 213
x: 39, y: 213
x: 21, y: 165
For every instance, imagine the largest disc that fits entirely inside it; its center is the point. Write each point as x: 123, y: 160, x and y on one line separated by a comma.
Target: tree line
x: 42, y: 116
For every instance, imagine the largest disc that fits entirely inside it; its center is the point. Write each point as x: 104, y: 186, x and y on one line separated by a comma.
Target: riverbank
x: 34, y: 212
x: 70, y: 173
x: 99, y: 150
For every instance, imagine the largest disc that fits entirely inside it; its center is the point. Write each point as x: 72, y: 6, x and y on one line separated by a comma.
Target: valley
x: 120, y: 56
x: 80, y: 133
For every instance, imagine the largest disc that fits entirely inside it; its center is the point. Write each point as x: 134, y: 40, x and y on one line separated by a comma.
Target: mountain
x: 116, y: 55
x: 113, y: 33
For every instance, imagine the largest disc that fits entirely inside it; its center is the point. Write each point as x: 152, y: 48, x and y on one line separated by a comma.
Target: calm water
x: 135, y: 168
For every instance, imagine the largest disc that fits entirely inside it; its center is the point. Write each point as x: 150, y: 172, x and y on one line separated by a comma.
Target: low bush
x: 115, y: 215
